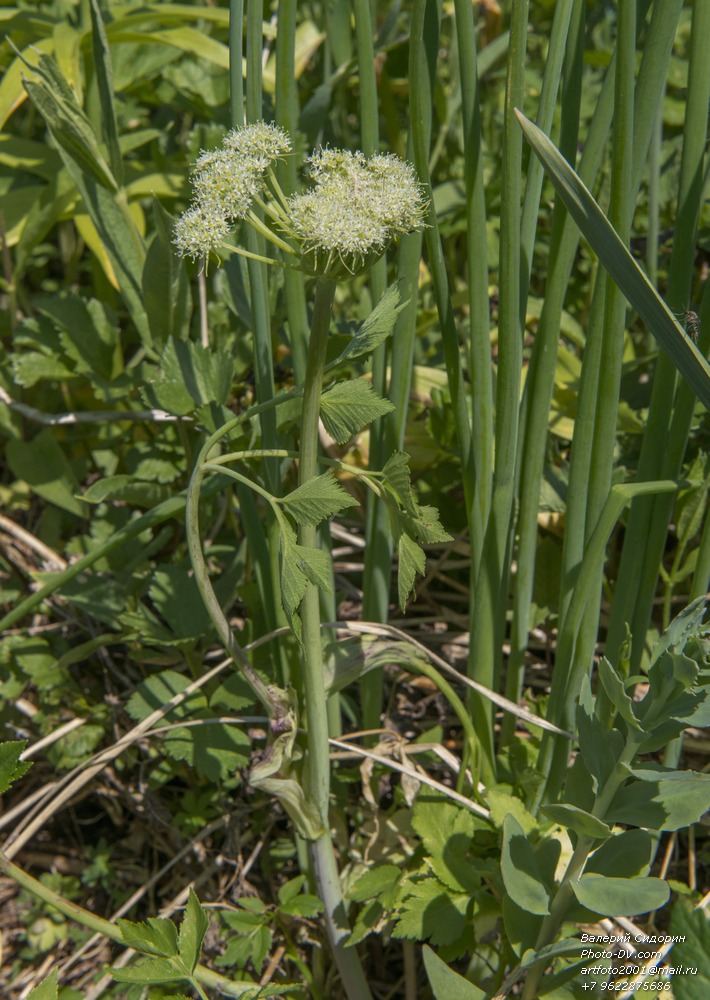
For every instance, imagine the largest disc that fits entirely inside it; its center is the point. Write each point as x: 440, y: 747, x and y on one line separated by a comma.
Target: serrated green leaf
x: 665, y: 804
x: 347, y: 407
x: 397, y: 476
x: 574, y: 818
x: 376, y: 881
x: 11, y: 767
x: 156, y: 936
x: 445, y: 983
x: 48, y: 989
x: 216, y: 751
x: 299, y: 565
x: 411, y: 561
x: 316, y: 500
x: 503, y: 802
x: 431, y: 911
x: 375, y: 330
x: 193, y: 928
x: 148, y: 971
x: 425, y: 525
x: 521, y: 875
x: 621, y: 897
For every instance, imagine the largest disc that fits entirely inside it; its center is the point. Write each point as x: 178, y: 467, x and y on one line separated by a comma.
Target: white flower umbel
x: 226, y: 183
x: 356, y: 210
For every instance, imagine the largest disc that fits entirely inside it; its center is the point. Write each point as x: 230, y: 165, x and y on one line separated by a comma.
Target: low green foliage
x: 491, y: 421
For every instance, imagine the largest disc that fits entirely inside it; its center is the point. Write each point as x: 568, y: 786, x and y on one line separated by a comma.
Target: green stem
x: 318, y: 757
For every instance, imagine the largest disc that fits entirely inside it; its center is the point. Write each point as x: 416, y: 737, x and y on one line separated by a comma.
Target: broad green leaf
x: 148, y: 971
x: 89, y: 334
x: 621, y: 897
x: 664, y: 804
x: 622, y: 267
x: 522, y: 928
x: 348, y: 407
x: 11, y: 767
x: 12, y: 91
x: 377, y: 328
x: 614, y: 687
x: 600, y: 748
x: 445, y: 983
x: 55, y: 100
x: 317, y: 500
x: 176, y: 597
x: 193, y: 928
x: 186, y: 39
x: 104, y: 79
x: 48, y: 989
x: 166, y: 289
x: 411, y: 561
x: 521, y: 875
x: 582, y: 822
x: 157, y: 936
x: 691, y: 928
x: 624, y: 855
x: 41, y: 464
x: 32, y: 367
x: 128, y: 490
x: 105, y: 203
x: 190, y: 376
x: 156, y: 691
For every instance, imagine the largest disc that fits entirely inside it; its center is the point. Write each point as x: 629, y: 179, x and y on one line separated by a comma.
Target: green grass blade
x: 619, y: 263
x: 665, y: 438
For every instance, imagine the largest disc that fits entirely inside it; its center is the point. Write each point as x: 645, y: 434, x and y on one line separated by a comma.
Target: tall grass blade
x: 619, y: 263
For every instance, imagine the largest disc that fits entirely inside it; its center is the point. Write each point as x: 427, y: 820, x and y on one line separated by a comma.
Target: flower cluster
x: 226, y: 181
x: 357, y: 209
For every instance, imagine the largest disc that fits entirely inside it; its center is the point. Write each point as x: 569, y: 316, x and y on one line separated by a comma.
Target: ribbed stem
x: 318, y: 759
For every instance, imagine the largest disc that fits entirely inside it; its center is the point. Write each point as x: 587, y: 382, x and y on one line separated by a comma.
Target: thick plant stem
x: 318, y: 759
x: 565, y: 893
